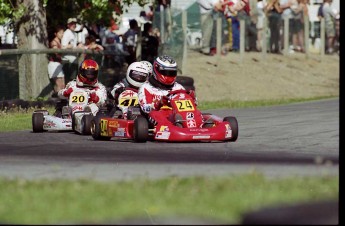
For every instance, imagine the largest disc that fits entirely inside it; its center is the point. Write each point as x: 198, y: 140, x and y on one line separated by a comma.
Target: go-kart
x: 178, y: 120
x: 119, y: 125
x: 76, y: 116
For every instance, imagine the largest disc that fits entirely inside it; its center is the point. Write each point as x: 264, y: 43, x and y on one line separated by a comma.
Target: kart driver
x: 137, y: 73
x: 153, y: 93
x: 87, y: 79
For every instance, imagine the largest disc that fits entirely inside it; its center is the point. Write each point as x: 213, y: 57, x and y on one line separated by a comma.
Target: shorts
x: 55, y: 70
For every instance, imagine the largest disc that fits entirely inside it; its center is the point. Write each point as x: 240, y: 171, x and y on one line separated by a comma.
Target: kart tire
x: 95, y: 127
x: 140, y: 129
x: 37, y: 122
x: 86, y: 124
x: 234, y: 127
x: 185, y: 80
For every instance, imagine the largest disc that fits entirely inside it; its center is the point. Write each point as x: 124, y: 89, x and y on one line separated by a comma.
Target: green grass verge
x: 15, y: 120
x: 224, y: 199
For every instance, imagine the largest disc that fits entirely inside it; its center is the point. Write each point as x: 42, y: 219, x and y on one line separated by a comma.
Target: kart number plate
x: 104, y: 127
x: 78, y: 98
x: 184, y: 105
x: 125, y: 102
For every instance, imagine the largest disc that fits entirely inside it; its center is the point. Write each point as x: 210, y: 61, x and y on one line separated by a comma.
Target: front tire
x: 37, y: 122
x: 95, y: 127
x: 140, y: 129
x: 234, y: 127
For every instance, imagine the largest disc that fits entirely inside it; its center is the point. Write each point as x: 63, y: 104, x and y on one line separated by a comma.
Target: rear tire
x: 140, y: 129
x: 37, y: 122
x: 95, y: 127
x: 86, y: 124
x: 234, y: 127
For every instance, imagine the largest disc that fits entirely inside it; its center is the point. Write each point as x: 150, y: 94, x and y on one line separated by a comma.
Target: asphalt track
x: 295, y: 139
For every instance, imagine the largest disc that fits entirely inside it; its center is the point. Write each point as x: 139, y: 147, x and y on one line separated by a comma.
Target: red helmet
x: 88, y: 73
x: 165, y: 70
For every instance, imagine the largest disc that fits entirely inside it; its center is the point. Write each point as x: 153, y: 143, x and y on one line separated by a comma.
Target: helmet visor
x: 167, y: 72
x: 138, y: 76
x: 90, y: 74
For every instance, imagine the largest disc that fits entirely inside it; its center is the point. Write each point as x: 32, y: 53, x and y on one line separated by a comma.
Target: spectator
x: 69, y: 41
x: 286, y: 14
x: 90, y: 43
x: 260, y: 24
x: 273, y: 12
x: 130, y: 41
x: 82, y: 33
x: 206, y: 21
x: 55, y: 71
x: 149, y: 44
x: 297, y: 25
x: 110, y: 42
x: 330, y: 16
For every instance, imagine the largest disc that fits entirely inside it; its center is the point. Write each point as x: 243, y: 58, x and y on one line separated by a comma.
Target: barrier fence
x: 179, y: 30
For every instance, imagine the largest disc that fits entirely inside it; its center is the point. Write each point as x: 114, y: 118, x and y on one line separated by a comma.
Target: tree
x: 33, y: 18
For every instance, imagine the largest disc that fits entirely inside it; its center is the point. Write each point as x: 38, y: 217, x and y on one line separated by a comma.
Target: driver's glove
x: 93, y: 97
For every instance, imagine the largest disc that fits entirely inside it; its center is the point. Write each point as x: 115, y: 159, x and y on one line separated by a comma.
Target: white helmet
x: 137, y: 73
x: 149, y: 65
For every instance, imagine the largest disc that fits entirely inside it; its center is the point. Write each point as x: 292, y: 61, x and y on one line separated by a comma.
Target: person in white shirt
x: 70, y: 41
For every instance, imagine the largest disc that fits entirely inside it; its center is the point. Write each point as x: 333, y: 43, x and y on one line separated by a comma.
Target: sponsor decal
x: 201, y: 137
x: 191, y: 123
x: 50, y: 124
x: 77, y: 108
x: 163, y: 135
x: 164, y: 128
x: 113, y: 124
x: 190, y: 115
x: 198, y: 130
x: 228, y: 131
x: 119, y: 134
x: 67, y: 121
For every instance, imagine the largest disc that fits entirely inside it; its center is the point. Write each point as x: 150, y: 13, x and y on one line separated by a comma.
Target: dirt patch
x: 263, y: 77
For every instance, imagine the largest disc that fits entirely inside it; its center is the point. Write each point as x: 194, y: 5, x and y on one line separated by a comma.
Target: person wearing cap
x: 69, y: 41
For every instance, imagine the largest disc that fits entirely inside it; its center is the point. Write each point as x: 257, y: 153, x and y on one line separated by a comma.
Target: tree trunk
x: 32, y: 34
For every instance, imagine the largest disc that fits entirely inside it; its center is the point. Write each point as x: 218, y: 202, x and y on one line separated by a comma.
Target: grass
x: 224, y: 199
x: 15, y: 120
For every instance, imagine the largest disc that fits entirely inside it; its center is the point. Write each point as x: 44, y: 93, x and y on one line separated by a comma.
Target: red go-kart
x: 178, y: 120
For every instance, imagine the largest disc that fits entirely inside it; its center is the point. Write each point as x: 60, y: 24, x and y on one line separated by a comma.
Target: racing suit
x: 149, y: 95
x: 119, y: 88
x: 98, y: 92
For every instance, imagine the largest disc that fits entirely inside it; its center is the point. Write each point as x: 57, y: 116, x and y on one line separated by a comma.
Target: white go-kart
x: 76, y: 116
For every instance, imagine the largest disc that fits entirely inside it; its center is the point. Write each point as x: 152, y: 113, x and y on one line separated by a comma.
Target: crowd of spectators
x: 259, y: 11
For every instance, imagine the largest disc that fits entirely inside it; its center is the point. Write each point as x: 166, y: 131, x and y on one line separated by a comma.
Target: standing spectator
x: 130, y: 41
x: 167, y: 18
x: 297, y: 25
x: 55, y: 71
x: 286, y: 14
x: 330, y: 16
x: 260, y: 24
x: 69, y: 41
x: 109, y: 41
x: 82, y: 33
x: 273, y: 12
x: 90, y: 43
x: 206, y: 21
x: 149, y: 44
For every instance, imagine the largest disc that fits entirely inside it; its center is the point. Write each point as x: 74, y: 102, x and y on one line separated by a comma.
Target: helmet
x: 88, y: 73
x: 165, y: 70
x: 137, y: 74
x: 148, y: 64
